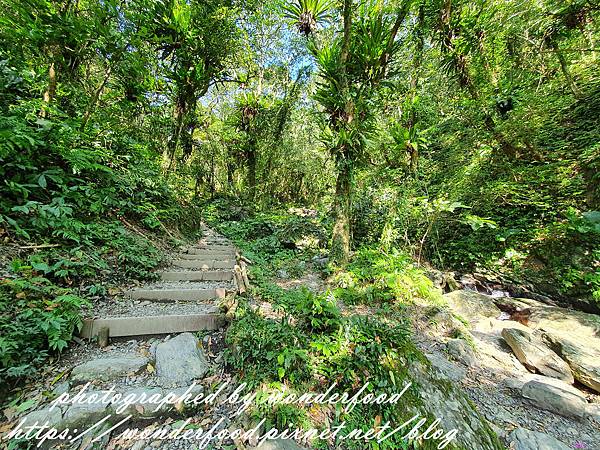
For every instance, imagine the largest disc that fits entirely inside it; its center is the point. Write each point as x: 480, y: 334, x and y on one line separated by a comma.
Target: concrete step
x: 215, y: 241
x: 199, y: 255
x: 144, y: 325
x: 217, y: 250
x: 177, y: 295
x: 204, y: 264
x: 199, y: 275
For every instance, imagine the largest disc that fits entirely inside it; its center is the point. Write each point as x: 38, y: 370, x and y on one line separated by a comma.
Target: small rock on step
x: 106, y: 369
x: 523, y: 439
x: 180, y: 360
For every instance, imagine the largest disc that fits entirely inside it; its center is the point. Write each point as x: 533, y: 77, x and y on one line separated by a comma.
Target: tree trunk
x: 251, y: 169
x: 564, y: 66
x: 50, y: 92
x: 178, y: 116
x: 340, y: 241
x: 94, y: 100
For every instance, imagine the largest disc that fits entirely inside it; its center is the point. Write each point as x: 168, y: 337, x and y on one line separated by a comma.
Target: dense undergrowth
x: 528, y: 214
x: 79, y: 214
x: 312, y: 339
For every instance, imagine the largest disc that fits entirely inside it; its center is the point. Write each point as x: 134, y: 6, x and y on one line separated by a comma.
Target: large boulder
x: 575, y: 336
x: 536, y: 356
x: 107, y: 369
x: 556, y: 396
x: 581, y: 327
x: 522, y: 439
x: 584, y: 361
x: 439, y: 397
x: 472, y: 306
x: 180, y: 360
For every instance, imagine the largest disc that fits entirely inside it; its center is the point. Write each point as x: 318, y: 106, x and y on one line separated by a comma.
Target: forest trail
x: 140, y: 362
x: 184, y: 302
x: 181, y: 301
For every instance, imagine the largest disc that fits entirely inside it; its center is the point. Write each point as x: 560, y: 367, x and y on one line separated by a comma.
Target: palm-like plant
x: 307, y: 14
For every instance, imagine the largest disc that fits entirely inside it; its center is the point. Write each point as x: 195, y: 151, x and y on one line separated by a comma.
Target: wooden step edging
x: 173, y: 295
x: 143, y: 325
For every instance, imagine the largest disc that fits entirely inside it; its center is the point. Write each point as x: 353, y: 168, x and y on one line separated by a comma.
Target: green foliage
x: 377, y: 276
x: 264, y: 349
x: 36, y: 317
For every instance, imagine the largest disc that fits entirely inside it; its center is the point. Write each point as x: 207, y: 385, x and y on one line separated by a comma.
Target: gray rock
x: 522, y: 439
x: 554, y: 395
x: 107, y: 369
x: 180, y: 360
x: 593, y: 411
x: 461, y: 351
x: 60, y: 388
x: 281, y: 273
x: 279, y: 444
x: 536, y: 356
x: 80, y: 415
x: 472, y: 306
x: 142, y: 408
x: 54, y: 418
x: 445, y: 323
x: 152, y: 349
x: 440, y: 398
x: 584, y: 361
x: 448, y: 369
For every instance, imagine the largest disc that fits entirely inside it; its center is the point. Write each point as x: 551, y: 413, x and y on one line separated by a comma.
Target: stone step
x: 144, y: 325
x: 173, y: 295
x: 204, y: 264
x: 199, y: 275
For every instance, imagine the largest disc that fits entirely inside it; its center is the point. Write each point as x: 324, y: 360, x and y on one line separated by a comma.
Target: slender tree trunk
x: 564, y: 66
x: 50, y: 92
x: 252, y: 169
x: 94, y: 100
x: 178, y: 116
x: 340, y: 241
